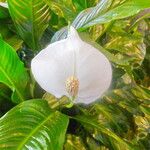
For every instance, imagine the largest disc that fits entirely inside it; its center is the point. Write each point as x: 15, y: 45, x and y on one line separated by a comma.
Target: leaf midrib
x: 33, y: 132
x: 11, y: 81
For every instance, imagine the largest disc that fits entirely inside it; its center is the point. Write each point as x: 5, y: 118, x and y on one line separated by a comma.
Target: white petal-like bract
x: 72, y: 57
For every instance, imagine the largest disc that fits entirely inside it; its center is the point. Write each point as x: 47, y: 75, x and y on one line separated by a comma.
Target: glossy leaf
x: 102, y: 14
x: 31, y: 18
x: 32, y: 125
x: 91, y: 13
x: 89, y: 122
x: 12, y: 72
x: 129, y: 46
x: 63, y: 8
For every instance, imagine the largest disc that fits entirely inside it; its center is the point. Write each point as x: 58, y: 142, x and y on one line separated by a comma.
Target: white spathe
x: 72, y: 57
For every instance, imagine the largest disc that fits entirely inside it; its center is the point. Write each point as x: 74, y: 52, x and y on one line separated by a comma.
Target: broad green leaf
x: 88, y: 121
x: 3, y: 13
x: 31, y: 18
x: 142, y: 15
x: 129, y: 47
x: 102, y: 14
x: 80, y: 4
x: 63, y: 8
x: 15, y: 42
x: 54, y: 102
x: 4, y: 92
x: 4, y: 30
x: 12, y: 72
x: 89, y: 14
x: 10, y: 37
x: 107, y: 112
x: 32, y: 125
x: 5, y: 99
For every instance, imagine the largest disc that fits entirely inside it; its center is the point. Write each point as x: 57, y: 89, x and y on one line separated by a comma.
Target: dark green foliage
x: 120, y: 120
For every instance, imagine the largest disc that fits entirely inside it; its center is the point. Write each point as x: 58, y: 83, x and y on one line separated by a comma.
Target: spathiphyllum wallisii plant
x: 75, y: 75
x: 69, y: 67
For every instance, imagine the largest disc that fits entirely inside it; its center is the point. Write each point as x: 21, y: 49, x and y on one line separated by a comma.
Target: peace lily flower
x: 73, y: 68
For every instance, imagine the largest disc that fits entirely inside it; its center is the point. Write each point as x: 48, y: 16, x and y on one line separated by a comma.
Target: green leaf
x: 35, y: 126
x: 15, y: 42
x: 129, y: 47
x: 74, y: 143
x: 54, y: 102
x: 4, y: 92
x: 31, y: 18
x: 89, y: 14
x: 63, y: 8
x: 12, y: 72
x: 10, y: 37
x: 3, y: 13
x: 102, y: 14
x: 88, y: 121
x: 80, y: 4
x: 146, y: 110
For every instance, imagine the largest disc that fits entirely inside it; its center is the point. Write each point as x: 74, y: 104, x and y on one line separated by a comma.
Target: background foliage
x: 120, y: 120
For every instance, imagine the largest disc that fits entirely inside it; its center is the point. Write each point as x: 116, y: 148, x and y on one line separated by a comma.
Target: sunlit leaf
x: 31, y: 18
x: 74, y: 143
x: 88, y: 121
x: 129, y: 46
x: 103, y: 13
x: 63, y: 8
x: 142, y: 126
x: 35, y: 126
x: 133, y: 7
x: 12, y: 72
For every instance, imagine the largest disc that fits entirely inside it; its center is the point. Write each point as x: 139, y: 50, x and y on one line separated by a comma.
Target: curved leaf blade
x: 88, y: 121
x: 35, y: 127
x: 125, y: 10
x: 65, y: 9
x: 89, y: 14
x: 31, y: 18
x: 102, y: 13
x: 3, y: 11
x: 59, y: 35
x: 12, y: 72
